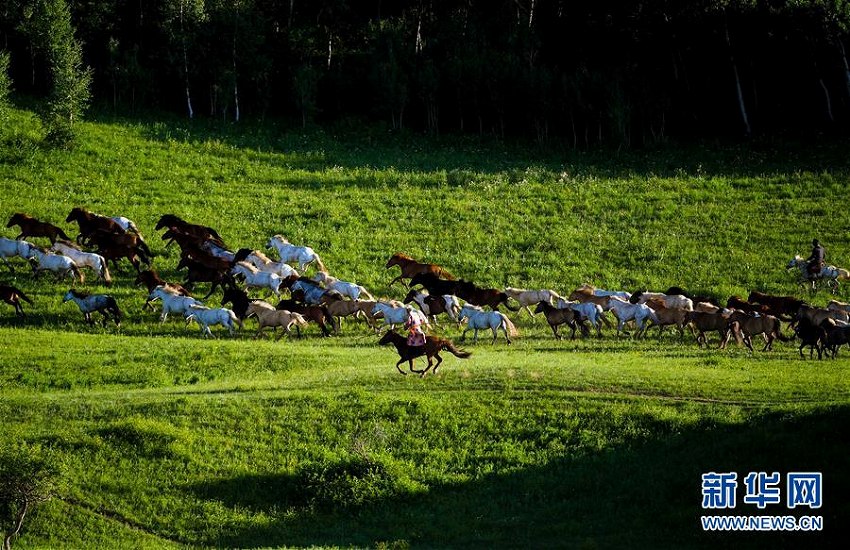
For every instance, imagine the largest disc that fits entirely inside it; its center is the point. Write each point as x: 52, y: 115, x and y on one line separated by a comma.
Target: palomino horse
x: 31, y: 227
x: 268, y: 316
x: 432, y: 348
x: 410, y: 267
x: 828, y: 273
x: 89, y: 304
x: 477, y: 319
x: 84, y: 259
x: 289, y: 252
x: 11, y: 247
x: 205, y: 317
x: 13, y: 297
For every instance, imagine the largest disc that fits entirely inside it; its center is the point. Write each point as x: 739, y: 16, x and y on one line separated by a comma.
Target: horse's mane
x: 248, y: 266
x: 69, y: 244
x: 79, y: 294
x: 281, y: 238
x: 402, y: 256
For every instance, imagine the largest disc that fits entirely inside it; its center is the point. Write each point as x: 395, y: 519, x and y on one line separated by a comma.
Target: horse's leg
x: 528, y: 309
x: 417, y: 371
x: 555, y: 331
x: 8, y: 264
x: 400, y: 361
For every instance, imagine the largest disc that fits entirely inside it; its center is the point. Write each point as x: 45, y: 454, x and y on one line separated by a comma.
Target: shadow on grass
x: 642, y: 495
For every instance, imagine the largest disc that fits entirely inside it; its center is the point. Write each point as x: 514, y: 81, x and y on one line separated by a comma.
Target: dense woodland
x: 581, y: 72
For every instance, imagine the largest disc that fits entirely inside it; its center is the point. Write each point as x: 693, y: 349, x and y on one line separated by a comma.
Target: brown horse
x: 432, y: 348
x: 478, y: 296
x: 318, y: 314
x: 201, y: 232
x: 410, y: 267
x: 31, y: 227
x: 13, y: 297
x: 90, y: 222
x: 199, y: 273
x: 781, y: 305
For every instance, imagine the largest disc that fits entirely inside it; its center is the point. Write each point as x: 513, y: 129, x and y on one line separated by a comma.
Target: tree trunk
x: 846, y: 67
x: 828, y: 100
x: 741, y: 106
x: 19, y: 522
x: 185, y: 62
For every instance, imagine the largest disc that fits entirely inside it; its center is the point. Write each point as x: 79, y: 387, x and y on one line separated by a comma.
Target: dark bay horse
x: 319, y: 314
x: 410, y: 267
x: 201, y: 232
x: 31, y: 227
x: 432, y: 348
x: 13, y: 297
x: 90, y: 222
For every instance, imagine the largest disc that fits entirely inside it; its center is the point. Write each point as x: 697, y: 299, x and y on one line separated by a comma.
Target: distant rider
x: 816, y: 260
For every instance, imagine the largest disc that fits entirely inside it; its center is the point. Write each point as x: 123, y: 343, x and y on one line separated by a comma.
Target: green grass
x: 164, y: 439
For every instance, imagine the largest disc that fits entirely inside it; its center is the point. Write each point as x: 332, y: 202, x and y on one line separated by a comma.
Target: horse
x: 745, y: 324
x: 557, y: 316
x: 344, y: 308
x: 308, y: 291
x: 255, y: 278
x: 268, y: 316
x: 171, y: 303
x: 289, y: 252
x: 527, y: 298
x: 434, y: 284
x: 205, y: 317
x: 238, y: 298
x: 432, y: 348
x: 782, y: 305
x: 12, y: 247
x: 410, y: 267
x: 811, y: 335
x: 13, y: 297
x: 90, y: 222
x: 398, y: 315
x: 113, y: 246
x: 594, y: 313
x: 592, y: 290
x: 434, y: 305
x: 350, y: 290
x: 128, y: 225
x: 318, y: 314
x: 672, y: 301
x: 669, y: 315
x: 478, y: 296
x: 84, y: 259
x: 477, y: 319
x: 199, y: 273
x: 705, y: 321
x: 264, y: 263
x: 836, y: 336
x: 626, y: 311
x: 151, y: 279
x: 828, y: 273
x: 57, y: 263
x: 88, y: 304
x: 31, y: 227
x: 200, y: 231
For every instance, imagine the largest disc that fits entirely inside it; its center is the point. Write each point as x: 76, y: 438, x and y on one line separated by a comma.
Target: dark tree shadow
x: 644, y: 494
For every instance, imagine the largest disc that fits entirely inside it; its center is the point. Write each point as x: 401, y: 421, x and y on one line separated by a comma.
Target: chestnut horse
x: 31, y: 227
x: 410, y: 267
x: 432, y: 348
x: 13, y: 297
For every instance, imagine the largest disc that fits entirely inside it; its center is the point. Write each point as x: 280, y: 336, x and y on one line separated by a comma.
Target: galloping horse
x: 13, y: 297
x: 410, y: 267
x: 31, y: 227
x: 90, y: 222
x: 84, y: 259
x: 350, y: 290
x: 199, y: 231
x: 88, y: 304
x: 11, y: 247
x: 205, y: 317
x: 57, y: 263
x: 289, y: 252
x: 480, y: 319
x: 829, y: 273
x: 263, y: 262
x: 432, y: 348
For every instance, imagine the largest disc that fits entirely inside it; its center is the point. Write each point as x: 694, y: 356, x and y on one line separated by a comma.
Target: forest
x: 582, y: 73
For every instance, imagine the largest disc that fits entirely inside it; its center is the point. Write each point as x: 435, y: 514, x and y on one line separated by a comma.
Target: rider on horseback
x: 816, y: 260
x: 416, y: 336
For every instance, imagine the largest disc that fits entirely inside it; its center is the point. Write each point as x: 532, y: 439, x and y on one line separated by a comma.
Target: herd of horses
x: 325, y: 300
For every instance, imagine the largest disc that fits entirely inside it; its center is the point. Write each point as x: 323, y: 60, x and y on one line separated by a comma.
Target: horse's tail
x: 843, y: 274
x: 319, y: 264
x: 512, y: 331
x: 146, y: 251
x: 23, y: 297
x: 504, y: 298
x: 367, y: 294
x: 233, y: 318
x: 62, y: 234
x: 457, y: 352
x: 104, y: 271
x: 112, y: 307
x: 446, y: 275
x: 78, y: 273
x: 300, y: 319
x: 782, y: 337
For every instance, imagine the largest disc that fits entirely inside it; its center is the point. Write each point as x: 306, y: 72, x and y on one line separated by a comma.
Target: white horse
x: 288, y: 252
x: 217, y: 251
x: 527, y: 298
x: 12, y: 247
x: 126, y: 224
x: 398, y: 315
x: 639, y: 313
x: 84, y: 259
x: 670, y: 301
x: 590, y: 311
x: 477, y: 319
x: 264, y: 263
x: 351, y: 290
x: 254, y: 278
x: 57, y: 263
x: 89, y: 304
x: 829, y: 273
x: 205, y: 317
x: 171, y: 303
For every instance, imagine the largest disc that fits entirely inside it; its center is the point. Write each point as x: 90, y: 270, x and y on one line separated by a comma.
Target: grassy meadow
x: 163, y: 439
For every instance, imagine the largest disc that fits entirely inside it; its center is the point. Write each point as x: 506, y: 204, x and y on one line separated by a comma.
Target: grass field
x: 163, y: 439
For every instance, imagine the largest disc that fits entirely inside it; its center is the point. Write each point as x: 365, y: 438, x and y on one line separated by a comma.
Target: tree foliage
x: 5, y: 85
x: 586, y: 72
x: 26, y: 480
